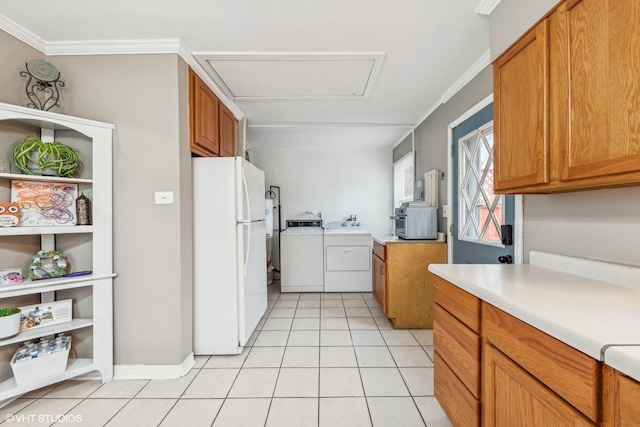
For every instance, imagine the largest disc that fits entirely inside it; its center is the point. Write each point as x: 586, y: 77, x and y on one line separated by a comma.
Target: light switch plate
x: 164, y: 197
x: 445, y: 211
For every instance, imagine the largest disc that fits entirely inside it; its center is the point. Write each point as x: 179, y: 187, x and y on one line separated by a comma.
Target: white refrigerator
x: 229, y: 253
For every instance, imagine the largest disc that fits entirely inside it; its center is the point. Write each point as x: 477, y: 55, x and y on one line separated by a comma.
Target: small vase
x: 9, y: 326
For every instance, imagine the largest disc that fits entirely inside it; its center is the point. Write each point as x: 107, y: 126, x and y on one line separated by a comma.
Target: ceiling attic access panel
x: 293, y: 75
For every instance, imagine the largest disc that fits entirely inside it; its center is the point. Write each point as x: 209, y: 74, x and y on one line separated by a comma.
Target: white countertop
x: 625, y: 359
x: 383, y: 240
x: 586, y: 313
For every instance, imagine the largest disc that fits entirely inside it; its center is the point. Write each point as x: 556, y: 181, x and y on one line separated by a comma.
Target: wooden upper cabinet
x: 604, y: 88
x: 212, y: 126
x: 567, y: 101
x: 227, y: 132
x: 521, y: 112
x: 204, y: 137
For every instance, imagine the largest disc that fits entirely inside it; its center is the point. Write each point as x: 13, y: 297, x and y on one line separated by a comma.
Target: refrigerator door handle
x: 248, y: 251
x: 246, y: 197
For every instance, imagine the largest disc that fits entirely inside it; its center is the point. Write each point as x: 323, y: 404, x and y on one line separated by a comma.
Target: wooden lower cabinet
x: 571, y: 374
x: 379, y: 283
x: 621, y: 399
x: 512, y: 397
x: 493, y: 369
x: 457, y: 351
x: 402, y: 283
x: 462, y: 408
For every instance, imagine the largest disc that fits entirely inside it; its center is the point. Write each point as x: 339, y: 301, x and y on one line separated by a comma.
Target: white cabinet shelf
x: 75, y: 367
x: 88, y: 247
x: 30, y: 231
x: 29, y: 286
x: 23, y: 177
x: 47, y: 330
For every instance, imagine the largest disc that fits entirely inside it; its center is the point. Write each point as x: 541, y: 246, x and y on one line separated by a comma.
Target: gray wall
x: 511, y: 18
x: 402, y: 149
x: 15, y: 54
x: 600, y: 224
x: 147, y: 98
x: 431, y: 136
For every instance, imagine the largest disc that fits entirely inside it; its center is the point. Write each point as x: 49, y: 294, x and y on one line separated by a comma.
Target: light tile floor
x: 315, y: 360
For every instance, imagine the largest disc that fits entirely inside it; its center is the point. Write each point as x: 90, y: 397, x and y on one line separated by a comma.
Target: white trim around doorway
x: 518, y: 234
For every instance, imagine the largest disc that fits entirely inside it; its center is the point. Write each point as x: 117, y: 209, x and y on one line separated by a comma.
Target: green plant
x: 32, y: 156
x: 9, y: 311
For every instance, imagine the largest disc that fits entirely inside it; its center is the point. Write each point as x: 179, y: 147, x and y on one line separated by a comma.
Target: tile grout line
x: 289, y: 331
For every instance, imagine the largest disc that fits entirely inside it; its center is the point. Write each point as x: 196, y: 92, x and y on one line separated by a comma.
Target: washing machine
x: 301, y: 248
x: 347, y: 257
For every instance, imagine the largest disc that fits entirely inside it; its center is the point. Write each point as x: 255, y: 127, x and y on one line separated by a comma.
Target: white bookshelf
x: 88, y: 247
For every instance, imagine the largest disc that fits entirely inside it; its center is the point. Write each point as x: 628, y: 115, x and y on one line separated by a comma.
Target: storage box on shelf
x: 36, y: 368
x: 87, y: 247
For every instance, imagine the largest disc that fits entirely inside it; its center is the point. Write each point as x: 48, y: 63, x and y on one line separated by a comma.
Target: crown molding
x: 22, y: 34
x: 468, y: 75
x: 117, y: 47
x: 486, y: 6
x: 113, y: 47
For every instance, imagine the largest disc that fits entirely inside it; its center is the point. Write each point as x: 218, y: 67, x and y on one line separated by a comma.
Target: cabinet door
x: 204, y: 137
x: 512, y: 397
x: 227, y: 132
x: 379, y: 285
x: 521, y: 112
x: 604, y: 88
x: 621, y: 395
x: 571, y: 374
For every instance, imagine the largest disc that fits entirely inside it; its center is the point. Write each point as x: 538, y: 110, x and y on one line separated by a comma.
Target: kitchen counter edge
x: 561, y: 305
x: 383, y: 240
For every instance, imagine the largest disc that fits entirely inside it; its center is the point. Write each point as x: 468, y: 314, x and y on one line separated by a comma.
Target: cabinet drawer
x: 573, y: 375
x: 461, y: 304
x: 459, y: 346
x: 380, y: 250
x: 458, y: 403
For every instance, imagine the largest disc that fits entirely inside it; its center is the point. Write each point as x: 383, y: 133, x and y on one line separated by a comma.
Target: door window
x: 480, y: 211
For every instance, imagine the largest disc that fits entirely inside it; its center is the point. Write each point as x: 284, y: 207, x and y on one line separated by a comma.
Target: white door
x: 251, y: 191
x: 252, y: 277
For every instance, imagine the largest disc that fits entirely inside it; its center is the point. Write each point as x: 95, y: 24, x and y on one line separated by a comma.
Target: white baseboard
x: 153, y: 372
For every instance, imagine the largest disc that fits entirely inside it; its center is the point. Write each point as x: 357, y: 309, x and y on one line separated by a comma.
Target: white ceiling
x: 329, y: 73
